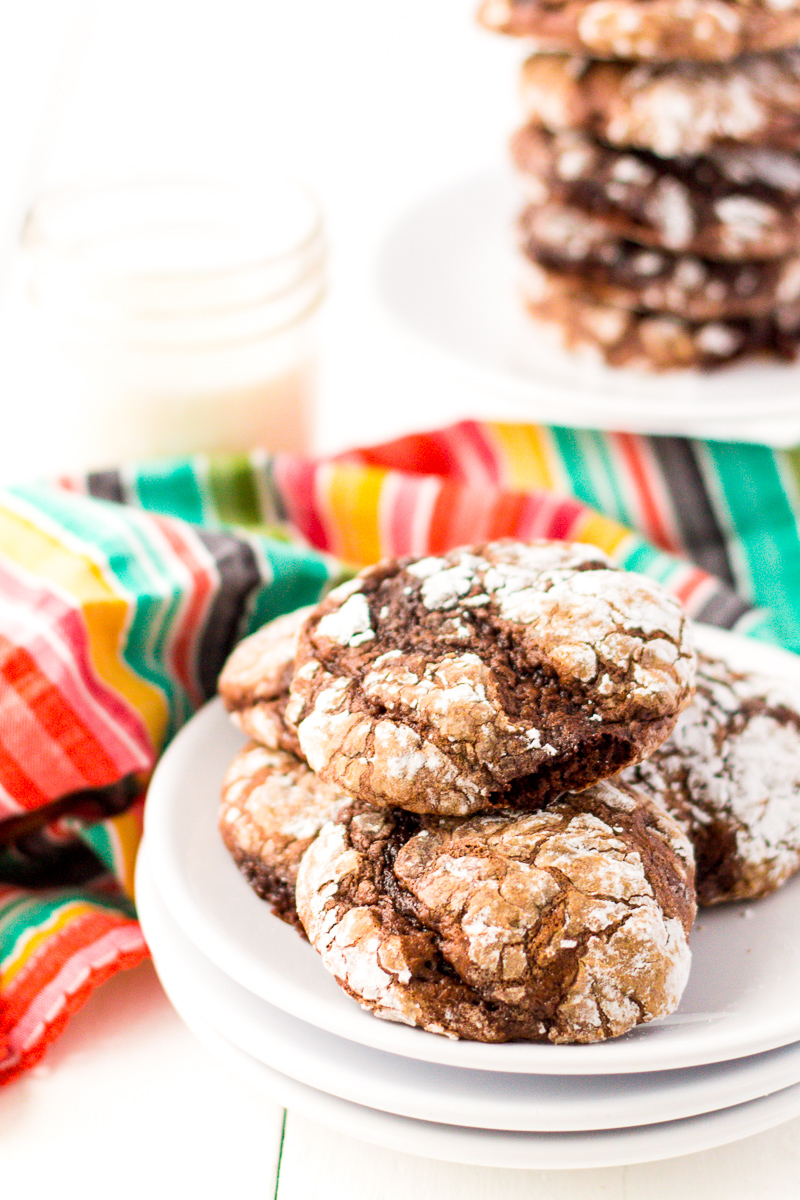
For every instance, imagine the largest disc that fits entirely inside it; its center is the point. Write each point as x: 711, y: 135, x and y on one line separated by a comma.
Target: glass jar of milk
x: 184, y: 313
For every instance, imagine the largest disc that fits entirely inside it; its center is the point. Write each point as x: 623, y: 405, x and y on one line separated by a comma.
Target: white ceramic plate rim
x: 430, y: 1091
x: 238, y: 933
x: 498, y: 1148
x: 446, y: 279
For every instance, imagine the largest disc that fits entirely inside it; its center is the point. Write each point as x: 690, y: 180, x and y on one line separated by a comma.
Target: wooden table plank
x: 317, y: 1164
x: 129, y: 1104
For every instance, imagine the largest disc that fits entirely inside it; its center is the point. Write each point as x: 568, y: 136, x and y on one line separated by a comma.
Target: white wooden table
x: 129, y: 1102
x: 376, y: 105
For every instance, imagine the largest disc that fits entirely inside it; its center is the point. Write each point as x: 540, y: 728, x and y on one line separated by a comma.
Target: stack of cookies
x: 478, y: 783
x: 661, y: 161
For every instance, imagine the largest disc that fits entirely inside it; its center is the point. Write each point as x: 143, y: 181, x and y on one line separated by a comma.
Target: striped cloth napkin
x: 122, y: 593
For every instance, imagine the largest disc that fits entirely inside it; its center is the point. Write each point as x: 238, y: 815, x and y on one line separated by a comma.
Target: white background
x: 374, y: 105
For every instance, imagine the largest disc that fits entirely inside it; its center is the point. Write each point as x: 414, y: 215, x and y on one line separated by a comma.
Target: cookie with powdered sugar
x: 254, y: 683
x: 706, y: 30
x: 721, y: 206
x: 564, y: 250
x: 493, y: 675
x: 730, y: 775
x: 565, y: 925
x: 673, y: 109
x: 647, y: 341
x: 271, y: 810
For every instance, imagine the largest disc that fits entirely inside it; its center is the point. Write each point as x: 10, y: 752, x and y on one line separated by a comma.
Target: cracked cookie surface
x: 704, y: 30
x: 726, y: 205
x: 673, y: 109
x: 254, y: 683
x: 653, y: 341
x: 564, y: 250
x: 490, y: 676
x: 730, y: 775
x: 272, y: 807
x: 565, y: 925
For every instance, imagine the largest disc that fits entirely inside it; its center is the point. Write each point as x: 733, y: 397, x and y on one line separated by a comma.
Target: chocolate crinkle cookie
x: 653, y: 341
x: 566, y: 250
x: 705, y: 30
x: 679, y: 204
x: 565, y: 925
x: 254, y: 683
x: 676, y: 108
x: 495, y: 675
x: 272, y: 808
x: 730, y: 775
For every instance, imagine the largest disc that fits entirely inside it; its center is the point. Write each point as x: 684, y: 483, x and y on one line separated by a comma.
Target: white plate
x: 742, y: 992
x: 430, y: 1091
x: 447, y: 275
x: 497, y: 1148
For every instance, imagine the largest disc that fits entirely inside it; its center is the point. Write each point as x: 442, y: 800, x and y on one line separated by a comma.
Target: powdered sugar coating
x: 673, y: 109
x: 730, y: 774
x: 647, y: 341
x: 564, y: 250
x: 254, y: 683
x: 271, y: 810
x: 702, y: 206
x: 706, y: 30
x: 348, y: 625
x: 569, y: 924
x: 486, y: 666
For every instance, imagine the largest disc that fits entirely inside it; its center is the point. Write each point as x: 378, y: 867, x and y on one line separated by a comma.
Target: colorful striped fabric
x: 57, y: 947
x: 122, y: 593
x: 640, y: 499
x: 114, y: 624
x: 732, y: 509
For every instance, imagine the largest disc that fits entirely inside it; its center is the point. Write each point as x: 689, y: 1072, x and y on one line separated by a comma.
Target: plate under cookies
x: 447, y: 280
x: 493, y: 1147
x: 431, y: 1091
x: 741, y: 997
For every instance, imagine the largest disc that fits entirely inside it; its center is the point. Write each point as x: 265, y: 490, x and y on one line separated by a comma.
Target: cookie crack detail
x: 499, y: 926
x: 495, y: 674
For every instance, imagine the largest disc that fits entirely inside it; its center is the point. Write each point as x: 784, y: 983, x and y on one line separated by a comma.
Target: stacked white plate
x: 725, y: 1066
x: 462, y: 311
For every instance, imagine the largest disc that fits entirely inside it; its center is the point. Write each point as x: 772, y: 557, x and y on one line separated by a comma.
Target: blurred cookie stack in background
x: 661, y: 162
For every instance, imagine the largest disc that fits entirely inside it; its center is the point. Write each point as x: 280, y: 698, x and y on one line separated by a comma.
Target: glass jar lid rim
x: 78, y: 225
